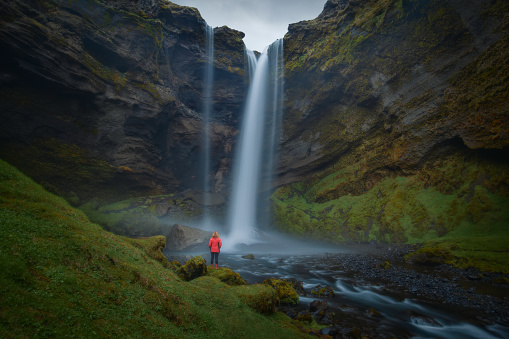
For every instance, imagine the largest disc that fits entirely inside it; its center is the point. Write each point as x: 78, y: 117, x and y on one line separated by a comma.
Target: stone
x: 284, y: 290
x: 318, y: 305
x: 192, y: 269
x: 182, y: 237
x: 132, y: 111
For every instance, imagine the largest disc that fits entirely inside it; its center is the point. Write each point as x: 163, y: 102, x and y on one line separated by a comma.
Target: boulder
x: 181, y: 237
x: 322, y: 291
x: 192, y: 269
x: 227, y: 276
x: 284, y: 290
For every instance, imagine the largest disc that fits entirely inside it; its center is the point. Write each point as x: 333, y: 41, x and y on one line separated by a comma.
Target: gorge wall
x: 395, y: 126
x: 396, y: 122
x: 102, y: 99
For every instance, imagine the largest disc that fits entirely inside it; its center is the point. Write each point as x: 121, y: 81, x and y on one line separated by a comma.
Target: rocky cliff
x: 103, y: 98
x: 396, y: 122
x: 395, y: 126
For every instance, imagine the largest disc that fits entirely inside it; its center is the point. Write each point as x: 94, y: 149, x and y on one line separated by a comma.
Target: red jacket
x: 215, y: 244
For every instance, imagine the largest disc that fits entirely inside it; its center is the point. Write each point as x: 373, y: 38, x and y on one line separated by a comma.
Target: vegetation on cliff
x: 461, y: 202
x: 62, y: 275
x: 396, y: 130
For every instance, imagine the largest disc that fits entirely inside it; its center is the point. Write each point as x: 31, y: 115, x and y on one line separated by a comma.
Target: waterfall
x: 254, y: 155
x: 208, y: 102
x: 275, y: 53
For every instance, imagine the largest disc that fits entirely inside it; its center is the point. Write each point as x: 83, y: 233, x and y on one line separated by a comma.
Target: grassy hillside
x: 458, y: 207
x: 63, y: 276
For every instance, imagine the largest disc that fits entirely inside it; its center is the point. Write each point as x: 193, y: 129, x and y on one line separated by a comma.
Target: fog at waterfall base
x: 263, y: 21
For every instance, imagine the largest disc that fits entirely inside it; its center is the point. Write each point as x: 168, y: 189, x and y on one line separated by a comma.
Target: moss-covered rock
x: 227, y: 276
x: 192, y: 269
x: 284, y: 290
x: 322, y: 291
x: 434, y: 255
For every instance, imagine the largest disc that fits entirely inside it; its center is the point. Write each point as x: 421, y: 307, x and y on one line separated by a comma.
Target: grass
x: 458, y: 202
x: 63, y: 276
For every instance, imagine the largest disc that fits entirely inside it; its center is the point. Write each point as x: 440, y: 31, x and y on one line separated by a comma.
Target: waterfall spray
x: 255, y: 146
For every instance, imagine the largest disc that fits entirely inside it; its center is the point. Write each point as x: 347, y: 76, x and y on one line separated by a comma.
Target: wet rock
x: 318, y: 305
x: 297, y: 286
x: 193, y: 269
x: 248, y: 256
x: 373, y: 313
x: 284, y: 290
x: 181, y: 237
x: 331, y: 330
x: 424, y: 320
x: 322, y: 291
x: 305, y: 316
x: 132, y: 101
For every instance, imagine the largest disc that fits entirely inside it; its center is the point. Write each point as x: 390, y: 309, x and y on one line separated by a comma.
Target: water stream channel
x: 376, y: 308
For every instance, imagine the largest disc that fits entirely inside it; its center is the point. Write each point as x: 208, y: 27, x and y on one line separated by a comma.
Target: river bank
x: 380, y: 295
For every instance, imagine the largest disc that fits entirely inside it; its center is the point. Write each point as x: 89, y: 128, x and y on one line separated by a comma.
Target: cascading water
x: 208, y: 84
x: 253, y: 153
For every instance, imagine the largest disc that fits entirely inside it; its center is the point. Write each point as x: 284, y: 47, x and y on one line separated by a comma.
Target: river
x: 364, y: 300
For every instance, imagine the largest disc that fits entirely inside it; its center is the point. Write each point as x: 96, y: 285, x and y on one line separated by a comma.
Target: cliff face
x: 395, y: 126
x: 396, y: 121
x: 103, y: 99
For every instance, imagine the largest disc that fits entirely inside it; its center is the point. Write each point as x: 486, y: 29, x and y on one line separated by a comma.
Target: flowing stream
x: 400, y: 316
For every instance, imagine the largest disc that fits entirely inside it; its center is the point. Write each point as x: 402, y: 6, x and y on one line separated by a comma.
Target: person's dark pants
x: 212, y: 256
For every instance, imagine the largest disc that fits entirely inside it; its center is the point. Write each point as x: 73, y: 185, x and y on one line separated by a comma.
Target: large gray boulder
x: 182, y: 237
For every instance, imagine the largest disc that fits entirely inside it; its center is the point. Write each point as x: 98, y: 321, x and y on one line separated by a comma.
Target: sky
x: 263, y: 21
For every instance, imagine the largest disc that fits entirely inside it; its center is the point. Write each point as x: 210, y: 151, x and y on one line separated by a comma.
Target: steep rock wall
x: 396, y: 121
x: 103, y: 98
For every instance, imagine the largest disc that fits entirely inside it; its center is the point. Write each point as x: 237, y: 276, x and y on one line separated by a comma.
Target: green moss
x: 66, y: 169
x: 284, y: 289
x: 62, y: 275
x: 192, y: 269
x: 261, y: 298
x: 478, y: 93
x: 227, y: 276
x: 450, y: 199
x: 133, y: 217
x: 322, y: 291
x: 118, y: 79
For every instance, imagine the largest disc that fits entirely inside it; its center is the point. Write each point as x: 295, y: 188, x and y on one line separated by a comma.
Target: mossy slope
x: 463, y: 202
x: 63, y: 276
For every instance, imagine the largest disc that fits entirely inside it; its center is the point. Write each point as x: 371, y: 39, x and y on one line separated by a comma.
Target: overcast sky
x: 263, y: 21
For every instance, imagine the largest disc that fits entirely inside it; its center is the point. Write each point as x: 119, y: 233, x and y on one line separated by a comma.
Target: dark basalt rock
x: 325, y: 77
x: 105, y: 97
x: 182, y: 237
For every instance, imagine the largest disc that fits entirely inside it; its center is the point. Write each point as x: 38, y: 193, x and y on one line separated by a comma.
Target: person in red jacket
x: 214, y: 245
